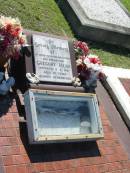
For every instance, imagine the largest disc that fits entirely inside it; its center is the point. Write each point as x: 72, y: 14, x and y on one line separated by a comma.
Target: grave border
x: 92, y: 30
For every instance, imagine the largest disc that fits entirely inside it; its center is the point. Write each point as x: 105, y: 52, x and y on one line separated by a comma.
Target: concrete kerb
x: 100, y: 31
x: 117, y: 91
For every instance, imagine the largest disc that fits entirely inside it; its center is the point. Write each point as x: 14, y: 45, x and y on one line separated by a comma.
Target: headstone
x: 56, y: 111
x: 52, y: 59
x: 99, y: 20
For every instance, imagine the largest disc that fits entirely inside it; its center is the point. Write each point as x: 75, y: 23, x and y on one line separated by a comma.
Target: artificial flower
x: 11, y: 37
x: 89, y: 66
x: 76, y: 82
x: 81, y: 47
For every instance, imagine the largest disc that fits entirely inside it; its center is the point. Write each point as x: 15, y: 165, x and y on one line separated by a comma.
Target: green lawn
x: 39, y: 15
x: 112, y: 55
x: 45, y: 16
x: 126, y: 3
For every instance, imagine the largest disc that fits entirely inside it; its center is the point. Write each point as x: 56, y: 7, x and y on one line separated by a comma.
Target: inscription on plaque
x: 52, y: 59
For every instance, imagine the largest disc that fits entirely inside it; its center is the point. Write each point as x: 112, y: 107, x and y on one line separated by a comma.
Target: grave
x: 99, y: 20
x: 56, y: 111
x: 16, y: 153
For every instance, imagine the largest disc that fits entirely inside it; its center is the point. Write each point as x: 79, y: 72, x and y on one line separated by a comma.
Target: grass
x: 113, y: 55
x: 45, y: 16
x: 126, y: 3
x: 39, y: 15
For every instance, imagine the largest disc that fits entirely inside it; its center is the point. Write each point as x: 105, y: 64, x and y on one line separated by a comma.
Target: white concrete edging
x: 117, y: 91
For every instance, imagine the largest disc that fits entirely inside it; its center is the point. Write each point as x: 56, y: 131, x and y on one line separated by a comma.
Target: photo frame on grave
x: 30, y: 60
x: 55, y: 116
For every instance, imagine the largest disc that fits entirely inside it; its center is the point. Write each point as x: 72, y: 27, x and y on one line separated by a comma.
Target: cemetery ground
x: 110, y: 154
x: 45, y: 16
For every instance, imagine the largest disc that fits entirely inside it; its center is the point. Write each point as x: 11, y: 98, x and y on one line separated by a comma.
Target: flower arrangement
x: 89, y: 66
x: 11, y: 38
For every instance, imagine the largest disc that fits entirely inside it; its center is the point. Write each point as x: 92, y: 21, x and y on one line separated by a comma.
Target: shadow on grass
x: 93, y: 44
x: 108, y: 47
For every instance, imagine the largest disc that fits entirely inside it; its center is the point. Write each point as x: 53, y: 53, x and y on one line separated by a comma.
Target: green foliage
x: 45, y: 16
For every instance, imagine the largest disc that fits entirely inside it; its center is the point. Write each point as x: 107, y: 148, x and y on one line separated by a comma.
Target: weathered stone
x: 52, y: 59
x: 99, y: 20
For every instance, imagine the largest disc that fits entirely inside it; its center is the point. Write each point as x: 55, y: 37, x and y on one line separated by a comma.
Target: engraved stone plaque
x: 52, y: 59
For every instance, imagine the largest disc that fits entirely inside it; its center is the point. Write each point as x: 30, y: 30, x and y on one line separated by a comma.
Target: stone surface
x: 105, y: 11
x: 117, y: 90
x: 52, y: 59
x: 99, y: 20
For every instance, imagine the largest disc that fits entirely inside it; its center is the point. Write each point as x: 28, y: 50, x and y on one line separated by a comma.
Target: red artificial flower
x: 5, y: 43
x: 21, y: 40
x: 79, y: 68
x: 16, y: 55
x: 84, y: 47
x: 85, y: 74
x: 11, y: 34
x: 15, y: 33
x: 8, y: 27
x: 101, y: 75
x: 81, y: 45
x: 95, y: 60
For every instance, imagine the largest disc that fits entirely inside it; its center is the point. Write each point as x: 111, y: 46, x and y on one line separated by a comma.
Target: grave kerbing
x: 95, y: 26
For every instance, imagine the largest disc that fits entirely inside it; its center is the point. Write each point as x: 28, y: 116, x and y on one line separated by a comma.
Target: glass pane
x: 64, y: 115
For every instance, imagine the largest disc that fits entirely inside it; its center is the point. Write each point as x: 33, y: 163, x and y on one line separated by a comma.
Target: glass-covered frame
x: 57, y: 116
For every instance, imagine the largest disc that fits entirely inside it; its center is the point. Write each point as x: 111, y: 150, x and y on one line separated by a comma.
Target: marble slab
x: 52, y: 59
x: 105, y: 11
x: 117, y: 90
x: 99, y: 20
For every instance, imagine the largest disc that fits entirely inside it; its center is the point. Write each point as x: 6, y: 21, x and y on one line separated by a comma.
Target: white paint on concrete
x: 118, y: 72
x: 118, y: 91
x: 107, y: 11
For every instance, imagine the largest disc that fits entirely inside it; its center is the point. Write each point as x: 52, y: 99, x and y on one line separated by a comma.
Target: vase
x: 90, y: 85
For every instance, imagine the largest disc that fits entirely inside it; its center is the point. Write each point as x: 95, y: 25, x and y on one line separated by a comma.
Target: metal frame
x: 31, y: 116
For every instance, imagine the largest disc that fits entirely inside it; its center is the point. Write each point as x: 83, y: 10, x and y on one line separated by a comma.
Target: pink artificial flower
x: 82, y: 46
x: 11, y: 31
x: 21, y: 40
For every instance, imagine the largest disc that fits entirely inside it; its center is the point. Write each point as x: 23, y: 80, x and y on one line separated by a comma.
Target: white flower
x: 78, y: 62
x: 87, y: 63
x: 76, y: 82
x: 86, y: 60
x: 96, y: 67
x: 92, y: 56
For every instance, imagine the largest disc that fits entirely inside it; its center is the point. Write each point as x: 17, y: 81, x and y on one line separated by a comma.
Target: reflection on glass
x: 66, y: 116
